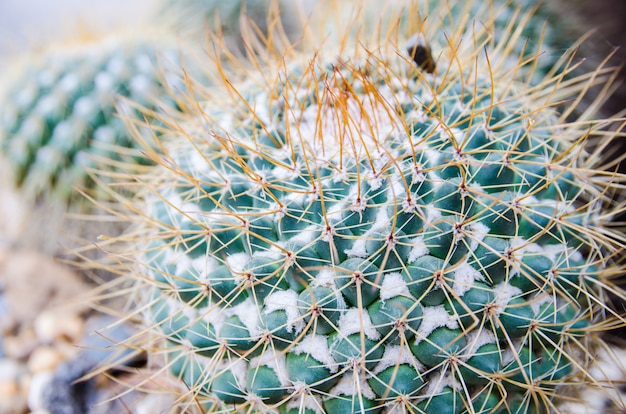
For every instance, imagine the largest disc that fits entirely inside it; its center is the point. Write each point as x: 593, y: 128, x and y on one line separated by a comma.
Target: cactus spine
x: 355, y: 234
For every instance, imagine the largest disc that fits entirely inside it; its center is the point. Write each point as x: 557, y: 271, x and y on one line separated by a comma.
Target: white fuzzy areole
x: 324, y: 120
x: 432, y: 213
x: 393, y: 285
x: 261, y: 108
x: 276, y: 361
x: 434, y: 317
x: 359, y: 247
x: 215, y: 315
x: 351, y: 383
x: 248, y: 313
x: 521, y: 246
x: 397, y: 355
x: 306, y: 235
x: 335, y: 212
x: 173, y: 201
x: 273, y: 253
x: 396, y: 190
x: 476, y: 339
x: 437, y: 384
x: 286, y: 301
x: 199, y: 164
x: 204, y: 266
x: 85, y: 106
x: 286, y: 173
x: 183, y: 264
x: 375, y: 182
x: 325, y: 278
x: 316, y: 346
x: 382, y: 219
x: 478, y: 231
x: 104, y: 82
x: 236, y: 264
x: 539, y: 300
x: 464, y: 277
x: 553, y: 251
x: 504, y: 292
x: 418, y: 249
x: 193, y: 313
x: 356, y: 320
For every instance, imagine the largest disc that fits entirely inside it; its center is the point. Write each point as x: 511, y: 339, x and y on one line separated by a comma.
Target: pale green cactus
x: 535, y: 28
x: 352, y: 234
x: 195, y: 19
x: 65, y: 107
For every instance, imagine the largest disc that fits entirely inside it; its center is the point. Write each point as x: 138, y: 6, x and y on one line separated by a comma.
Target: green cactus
x: 194, y: 18
x: 59, y: 108
x: 535, y: 28
x: 353, y: 234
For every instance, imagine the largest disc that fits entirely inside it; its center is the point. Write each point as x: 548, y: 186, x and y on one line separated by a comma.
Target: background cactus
x: 59, y: 108
x: 534, y: 28
x: 353, y: 234
x: 195, y: 19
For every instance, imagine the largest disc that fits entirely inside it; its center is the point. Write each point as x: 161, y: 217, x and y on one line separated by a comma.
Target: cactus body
x: 356, y: 235
x: 59, y: 109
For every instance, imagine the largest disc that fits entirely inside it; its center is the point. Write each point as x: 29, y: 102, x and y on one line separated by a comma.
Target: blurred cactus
x: 64, y: 108
x: 73, y: 108
x: 60, y: 108
x: 194, y: 19
x: 358, y: 229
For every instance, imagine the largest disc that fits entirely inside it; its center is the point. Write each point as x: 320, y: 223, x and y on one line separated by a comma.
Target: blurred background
x: 31, y: 24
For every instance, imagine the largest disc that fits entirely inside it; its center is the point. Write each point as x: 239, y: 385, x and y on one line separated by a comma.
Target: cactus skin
x: 354, y: 235
x: 59, y: 109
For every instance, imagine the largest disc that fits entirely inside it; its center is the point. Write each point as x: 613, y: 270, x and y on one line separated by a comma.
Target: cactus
x: 370, y: 233
x: 195, y: 18
x: 534, y: 27
x: 59, y: 109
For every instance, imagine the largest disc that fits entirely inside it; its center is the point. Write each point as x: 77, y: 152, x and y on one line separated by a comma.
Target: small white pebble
x: 51, y: 325
x: 44, y: 359
x: 38, y: 384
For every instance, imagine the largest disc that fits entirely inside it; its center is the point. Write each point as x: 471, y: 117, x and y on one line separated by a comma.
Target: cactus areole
x: 359, y: 235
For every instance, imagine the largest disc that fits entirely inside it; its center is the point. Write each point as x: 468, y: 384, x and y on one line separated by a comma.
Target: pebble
x: 58, y: 390
x: 20, y: 346
x: 51, y: 325
x: 34, y: 284
x: 10, y: 370
x: 44, y: 359
x: 12, y: 386
x: 38, y: 384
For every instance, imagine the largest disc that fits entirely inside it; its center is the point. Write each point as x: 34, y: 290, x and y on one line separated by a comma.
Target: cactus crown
x: 355, y: 234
